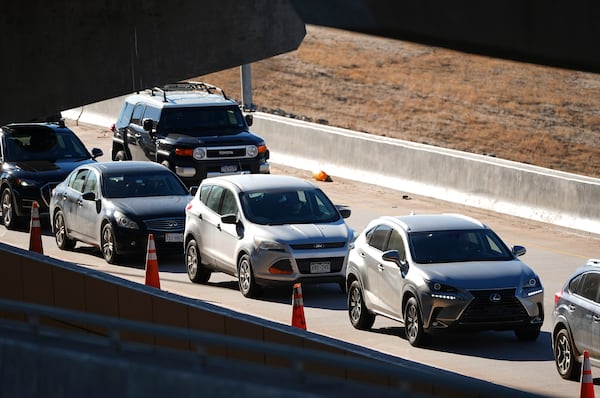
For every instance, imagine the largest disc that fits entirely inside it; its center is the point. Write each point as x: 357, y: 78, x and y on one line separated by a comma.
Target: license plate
x: 231, y: 168
x: 173, y: 237
x: 320, y: 267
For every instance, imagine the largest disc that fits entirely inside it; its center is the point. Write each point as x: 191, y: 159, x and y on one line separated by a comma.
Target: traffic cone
x: 320, y: 175
x: 298, y: 308
x: 35, y: 230
x: 152, y: 264
x: 587, y: 382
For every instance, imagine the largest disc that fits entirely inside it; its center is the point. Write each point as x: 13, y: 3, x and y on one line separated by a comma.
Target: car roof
x: 435, y: 222
x: 177, y: 99
x: 262, y: 182
x: 37, y: 125
x: 127, y: 166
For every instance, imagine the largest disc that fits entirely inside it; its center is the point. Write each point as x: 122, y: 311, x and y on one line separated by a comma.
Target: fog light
x: 281, y: 267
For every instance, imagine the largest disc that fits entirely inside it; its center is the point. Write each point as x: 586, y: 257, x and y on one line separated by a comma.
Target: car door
x: 390, y: 283
x: 136, y: 134
x: 209, y: 220
x: 584, y: 311
x: 227, y: 235
x: 595, y: 335
x: 87, y: 209
x: 371, y: 254
x: 69, y: 199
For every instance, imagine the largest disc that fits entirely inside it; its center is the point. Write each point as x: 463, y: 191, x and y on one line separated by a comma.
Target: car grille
x: 226, y: 152
x: 317, y: 246
x: 166, y: 224
x: 335, y: 262
x: 483, y: 310
x: 46, y: 192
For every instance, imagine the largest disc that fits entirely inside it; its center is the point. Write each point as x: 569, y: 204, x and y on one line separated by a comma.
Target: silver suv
x: 441, y: 272
x: 576, y: 317
x: 266, y: 230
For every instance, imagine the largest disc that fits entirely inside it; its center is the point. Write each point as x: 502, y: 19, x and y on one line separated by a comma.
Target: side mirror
x: 147, y: 124
x: 344, y: 211
x: 394, y: 256
x: 249, y: 120
x: 519, y: 250
x: 96, y: 153
x: 89, y: 196
x: 229, y: 219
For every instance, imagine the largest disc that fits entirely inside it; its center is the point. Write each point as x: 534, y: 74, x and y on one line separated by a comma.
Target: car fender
x: 561, y: 323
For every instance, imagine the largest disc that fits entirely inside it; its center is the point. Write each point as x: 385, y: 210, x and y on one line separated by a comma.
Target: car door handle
x: 572, y: 307
x: 80, y: 203
x: 380, y: 267
x: 596, y: 318
x: 219, y: 227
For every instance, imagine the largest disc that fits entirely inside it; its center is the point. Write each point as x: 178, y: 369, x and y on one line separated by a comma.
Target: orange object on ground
x: 587, y: 381
x: 298, y: 308
x: 152, y: 278
x: 35, y: 230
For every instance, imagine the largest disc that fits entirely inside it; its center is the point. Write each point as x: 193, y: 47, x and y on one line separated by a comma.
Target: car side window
x: 214, y: 198
x: 91, y: 183
x: 396, y: 243
x: 228, y: 205
x: 589, y: 286
x: 77, y: 182
x: 379, y: 237
x: 152, y: 113
x: 138, y: 111
x: 203, y: 193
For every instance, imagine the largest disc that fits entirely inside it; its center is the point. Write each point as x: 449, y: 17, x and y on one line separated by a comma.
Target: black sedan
x: 116, y: 205
x: 35, y: 158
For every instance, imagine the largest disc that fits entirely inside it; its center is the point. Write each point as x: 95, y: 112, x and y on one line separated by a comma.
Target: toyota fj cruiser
x: 193, y: 128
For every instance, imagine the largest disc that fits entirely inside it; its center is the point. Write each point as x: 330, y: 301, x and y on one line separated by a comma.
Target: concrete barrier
x: 563, y: 199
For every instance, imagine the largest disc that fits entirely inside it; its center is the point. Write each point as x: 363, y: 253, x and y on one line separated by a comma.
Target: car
x: 576, y: 320
x: 35, y: 158
x: 439, y: 273
x: 116, y: 205
x: 266, y: 230
x: 193, y: 128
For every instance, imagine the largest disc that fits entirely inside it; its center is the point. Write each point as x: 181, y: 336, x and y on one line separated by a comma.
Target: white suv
x: 193, y: 128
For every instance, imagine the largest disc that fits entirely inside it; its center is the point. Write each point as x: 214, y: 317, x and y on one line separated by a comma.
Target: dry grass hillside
x: 528, y: 113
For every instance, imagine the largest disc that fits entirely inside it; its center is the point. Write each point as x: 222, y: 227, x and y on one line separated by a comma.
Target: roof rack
x: 187, y: 86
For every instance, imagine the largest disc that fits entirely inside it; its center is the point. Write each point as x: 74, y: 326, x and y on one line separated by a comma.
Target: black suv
x: 193, y: 128
x: 35, y: 158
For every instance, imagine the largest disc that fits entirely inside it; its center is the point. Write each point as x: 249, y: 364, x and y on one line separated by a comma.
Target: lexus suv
x: 192, y: 128
x: 35, y: 158
x: 437, y: 273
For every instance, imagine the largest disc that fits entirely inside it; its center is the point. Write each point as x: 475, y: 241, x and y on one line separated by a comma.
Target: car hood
x: 479, y: 274
x: 152, y: 206
x: 44, y: 169
x: 208, y: 139
x: 304, y: 233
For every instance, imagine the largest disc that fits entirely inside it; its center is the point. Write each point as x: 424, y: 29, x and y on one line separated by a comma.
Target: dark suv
x: 576, y: 318
x: 193, y: 128
x: 35, y: 158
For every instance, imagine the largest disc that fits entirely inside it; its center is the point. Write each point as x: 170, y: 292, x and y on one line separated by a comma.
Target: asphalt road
x: 497, y: 357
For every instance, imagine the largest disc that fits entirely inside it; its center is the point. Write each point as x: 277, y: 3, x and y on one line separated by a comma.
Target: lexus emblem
x: 495, y: 297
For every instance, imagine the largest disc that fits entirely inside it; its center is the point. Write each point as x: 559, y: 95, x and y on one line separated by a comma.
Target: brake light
x: 112, y: 128
x: 184, y: 152
x: 189, y: 206
x: 557, y: 296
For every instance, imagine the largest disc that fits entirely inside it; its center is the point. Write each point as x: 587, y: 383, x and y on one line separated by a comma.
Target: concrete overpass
x: 63, y: 54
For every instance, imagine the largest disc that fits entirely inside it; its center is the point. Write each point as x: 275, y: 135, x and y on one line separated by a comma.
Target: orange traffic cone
x: 152, y: 264
x: 587, y: 382
x: 320, y: 175
x: 298, y: 308
x: 35, y: 230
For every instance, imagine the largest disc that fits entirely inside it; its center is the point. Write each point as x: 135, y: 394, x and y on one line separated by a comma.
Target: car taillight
x: 112, y: 128
x: 189, y: 206
x: 557, y: 296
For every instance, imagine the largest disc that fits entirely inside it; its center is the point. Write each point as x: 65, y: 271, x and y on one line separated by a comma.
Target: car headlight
x: 26, y: 183
x: 267, y: 244
x: 251, y: 151
x: 442, y: 291
x: 533, y: 286
x: 125, y: 222
x: 199, y: 153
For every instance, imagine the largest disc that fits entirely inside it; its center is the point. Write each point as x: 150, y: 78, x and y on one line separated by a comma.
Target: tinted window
x: 396, y: 243
x: 138, y: 111
x: 203, y: 193
x: 203, y: 120
x: 91, y: 184
x: 136, y: 184
x: 589, y: 285
x: 378, y: 237
x: 77, y: 182
x: 214, y: 198
x: 152, y: 113
x: 228, y: 206
x: 42, y: 143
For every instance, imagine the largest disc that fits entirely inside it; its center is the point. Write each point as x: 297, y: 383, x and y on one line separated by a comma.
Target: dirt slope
x: 528, y: 113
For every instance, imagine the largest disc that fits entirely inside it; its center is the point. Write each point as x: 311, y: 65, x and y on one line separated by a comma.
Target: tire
x: 528, y: 333
x: 108, y: 246
x: 359, y: 315
x: 9, y: 215
x: 413, y: 324
x: 246, y: 282
x: 60, y: 232
x: 565, y: 358
x: 120, y: 156
x: 196, y: 271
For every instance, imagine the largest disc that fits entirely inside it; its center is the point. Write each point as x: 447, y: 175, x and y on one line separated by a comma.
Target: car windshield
x: 457, y: 246
x: 132, y: 185
x: 202, y: 121
x: 288, y: 207
x: 35, y: 144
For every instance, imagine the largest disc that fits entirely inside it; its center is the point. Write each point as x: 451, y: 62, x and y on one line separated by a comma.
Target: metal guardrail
x: 298, y: 358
